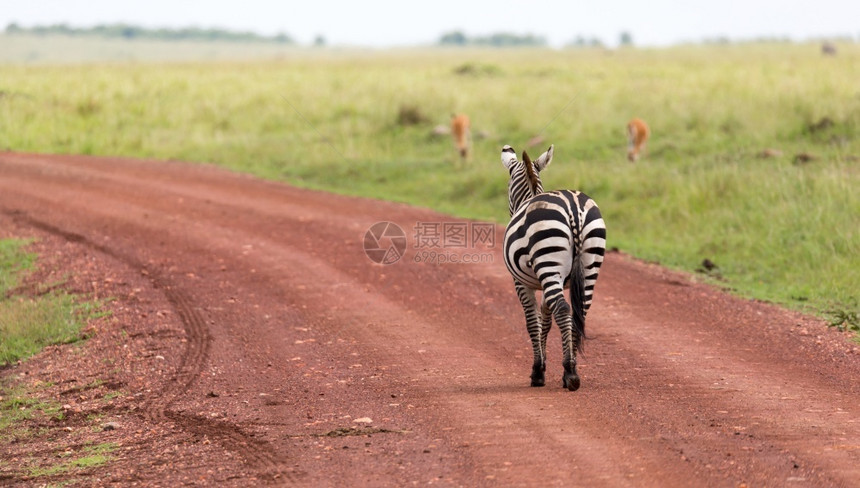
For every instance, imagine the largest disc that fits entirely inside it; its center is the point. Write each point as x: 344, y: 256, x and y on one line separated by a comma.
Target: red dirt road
x: 262, y: 333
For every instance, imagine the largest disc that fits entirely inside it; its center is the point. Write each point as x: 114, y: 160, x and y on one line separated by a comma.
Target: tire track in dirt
x: 257, y: 454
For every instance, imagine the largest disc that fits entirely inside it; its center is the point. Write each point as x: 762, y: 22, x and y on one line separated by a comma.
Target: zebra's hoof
x: 538, y: 369
x: 571, y: 382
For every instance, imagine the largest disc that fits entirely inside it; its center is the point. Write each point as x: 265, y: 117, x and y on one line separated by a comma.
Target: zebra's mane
x: 531, y: 174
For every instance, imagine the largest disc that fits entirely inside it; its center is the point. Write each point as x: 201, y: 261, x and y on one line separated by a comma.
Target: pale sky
x: 387, y: 23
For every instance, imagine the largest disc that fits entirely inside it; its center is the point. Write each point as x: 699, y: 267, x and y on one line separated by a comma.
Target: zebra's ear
x: 543, y: 161
x: 509, y: 156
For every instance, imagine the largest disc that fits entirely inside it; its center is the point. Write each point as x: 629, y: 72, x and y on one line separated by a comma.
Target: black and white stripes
x: 555, y: 240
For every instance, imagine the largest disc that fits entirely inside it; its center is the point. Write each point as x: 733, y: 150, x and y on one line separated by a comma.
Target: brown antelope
x: 461, y: 131
x: 637, y: 135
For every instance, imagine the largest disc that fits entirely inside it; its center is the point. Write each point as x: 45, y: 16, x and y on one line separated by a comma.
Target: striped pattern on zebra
x: 555, y: 240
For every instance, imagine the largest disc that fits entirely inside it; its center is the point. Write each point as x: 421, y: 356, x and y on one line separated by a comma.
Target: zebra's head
x: 525, y: 176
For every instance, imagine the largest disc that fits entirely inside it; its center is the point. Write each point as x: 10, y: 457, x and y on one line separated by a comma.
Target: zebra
x: 554, y: 240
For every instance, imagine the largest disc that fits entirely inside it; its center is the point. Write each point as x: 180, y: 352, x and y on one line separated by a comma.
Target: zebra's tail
x: 577, y: 299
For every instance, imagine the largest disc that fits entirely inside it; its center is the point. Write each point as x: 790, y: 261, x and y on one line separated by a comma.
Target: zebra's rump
x: 548, y: 232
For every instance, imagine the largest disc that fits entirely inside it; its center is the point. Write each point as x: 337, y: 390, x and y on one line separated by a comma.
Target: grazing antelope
x: 461, y: 131
x: 555, y: 240
x: 637, y: 135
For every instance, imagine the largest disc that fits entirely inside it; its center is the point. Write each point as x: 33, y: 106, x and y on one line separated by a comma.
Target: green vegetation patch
x: 94, y: 456
x: 25, y: 415
x: 27, y: 324
x: 17, y: 404
x: 13, y: 261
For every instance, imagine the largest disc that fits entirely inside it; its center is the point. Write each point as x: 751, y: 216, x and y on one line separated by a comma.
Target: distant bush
x: 473, y: 69
x: 410, y: 115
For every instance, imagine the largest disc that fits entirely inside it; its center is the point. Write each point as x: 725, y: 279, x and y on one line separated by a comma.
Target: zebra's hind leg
x: 533, y: 325
x: 554, y: 298
x: 545, y: 326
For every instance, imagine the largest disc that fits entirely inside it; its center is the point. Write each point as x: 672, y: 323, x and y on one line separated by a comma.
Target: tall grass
x: 776, y: 229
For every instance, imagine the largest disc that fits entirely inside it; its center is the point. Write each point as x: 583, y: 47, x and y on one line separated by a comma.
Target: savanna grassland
x: 784, y: 228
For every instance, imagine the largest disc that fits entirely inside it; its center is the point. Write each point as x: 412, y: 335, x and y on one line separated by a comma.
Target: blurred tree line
x: 127, y: 31
x: 458, y: 38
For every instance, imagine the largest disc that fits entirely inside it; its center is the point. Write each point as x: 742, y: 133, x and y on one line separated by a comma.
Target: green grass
x: 13, y: 261
x: 111, y: 395
x: 777, y: 230
x: 17, y: 405
x: 96, y: 456
x: 27, y: 324
x: 21, y: 408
